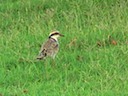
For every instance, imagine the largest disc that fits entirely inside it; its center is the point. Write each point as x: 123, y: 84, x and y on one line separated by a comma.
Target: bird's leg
x: 53, y: 63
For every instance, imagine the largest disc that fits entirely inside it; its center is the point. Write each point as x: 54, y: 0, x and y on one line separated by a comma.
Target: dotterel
x: 50, y: 47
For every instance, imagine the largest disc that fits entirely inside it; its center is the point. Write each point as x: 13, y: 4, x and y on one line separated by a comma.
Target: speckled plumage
x: 50, y: 47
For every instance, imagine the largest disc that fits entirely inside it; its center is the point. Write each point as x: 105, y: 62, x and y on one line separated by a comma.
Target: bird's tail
x: 42, y: 55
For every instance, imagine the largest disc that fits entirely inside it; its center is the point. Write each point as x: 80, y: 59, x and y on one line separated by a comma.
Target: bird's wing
x: 50, y: 46
x: 47, y: 48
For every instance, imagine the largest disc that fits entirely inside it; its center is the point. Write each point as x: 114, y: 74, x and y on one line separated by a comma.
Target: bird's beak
x: 61, y: 35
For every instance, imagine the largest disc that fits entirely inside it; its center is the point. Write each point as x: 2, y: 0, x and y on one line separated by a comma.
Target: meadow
x: 93, y: 55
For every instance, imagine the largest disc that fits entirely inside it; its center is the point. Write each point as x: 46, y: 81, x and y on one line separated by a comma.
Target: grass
x: 92, y: 60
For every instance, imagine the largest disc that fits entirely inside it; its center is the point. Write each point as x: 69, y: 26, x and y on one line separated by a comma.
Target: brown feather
x: 50, y: 48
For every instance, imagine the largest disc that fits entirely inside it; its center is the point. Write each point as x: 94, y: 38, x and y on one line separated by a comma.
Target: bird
x: 51, y: 47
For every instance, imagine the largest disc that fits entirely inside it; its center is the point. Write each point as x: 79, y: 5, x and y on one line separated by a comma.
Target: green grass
x: 88, y: 63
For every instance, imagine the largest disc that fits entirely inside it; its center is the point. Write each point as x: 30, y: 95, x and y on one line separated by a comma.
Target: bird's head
x: 55, y: 35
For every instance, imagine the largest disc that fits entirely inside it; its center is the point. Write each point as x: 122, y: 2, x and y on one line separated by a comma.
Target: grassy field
x: 93, y: 56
